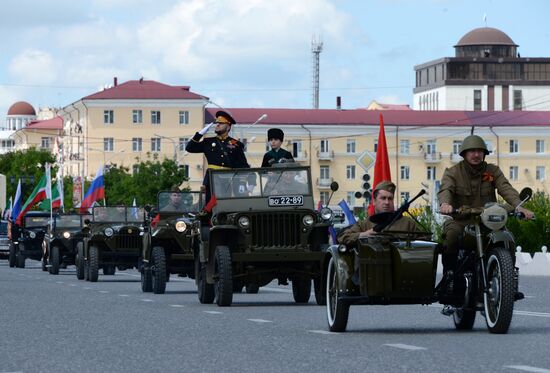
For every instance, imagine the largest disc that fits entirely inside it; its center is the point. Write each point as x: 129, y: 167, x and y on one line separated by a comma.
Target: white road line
x: 59, y: 282
x: 123, y: 295
x: 529, y: 313
x: 527, y: 368
x: 213, y: 312
x: 87, y: 288
x: 259, y: 320
x: 104, y: 291
x: 72, y: 284
x: 177, y: 305
x: 404, y: 346
x: 322, y: 332
x: 146, y: 300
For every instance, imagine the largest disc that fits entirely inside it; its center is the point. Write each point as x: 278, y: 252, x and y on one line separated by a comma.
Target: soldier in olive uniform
x: 472, y: 182
x: 221, y: 151
x: 383, y: 202
x: 275, y: 136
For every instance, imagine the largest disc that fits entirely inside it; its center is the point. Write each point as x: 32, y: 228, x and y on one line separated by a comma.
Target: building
x: 486, y: 74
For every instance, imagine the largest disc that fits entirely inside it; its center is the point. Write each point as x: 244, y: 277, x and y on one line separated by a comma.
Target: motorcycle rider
x: 472, y: 182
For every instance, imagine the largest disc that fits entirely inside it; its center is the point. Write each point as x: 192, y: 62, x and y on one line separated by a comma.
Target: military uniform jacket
x: 274, y: 156
x: 350, y: 236
x: 463, y: 185
x: 227, y: 152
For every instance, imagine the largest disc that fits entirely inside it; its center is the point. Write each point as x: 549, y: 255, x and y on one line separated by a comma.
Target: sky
x: 245, y: 53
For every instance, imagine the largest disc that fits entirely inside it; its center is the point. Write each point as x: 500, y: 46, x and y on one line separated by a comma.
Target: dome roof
x: 21, y: 108
x: 485, y: 36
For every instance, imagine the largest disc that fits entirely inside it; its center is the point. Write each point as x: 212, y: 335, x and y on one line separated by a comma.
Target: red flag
x: 155, y: 221
x: 381, y: 164
x: 210, y: 205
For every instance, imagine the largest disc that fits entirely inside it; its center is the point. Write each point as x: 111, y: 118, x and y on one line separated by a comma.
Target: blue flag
x: 347, y: 211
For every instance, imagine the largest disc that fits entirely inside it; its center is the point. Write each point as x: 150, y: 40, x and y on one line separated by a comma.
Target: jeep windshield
x: 36, y: 221
x: 117, y: 214
x: 182, y: 202
x: 68, y: 221
x: 248, y: 183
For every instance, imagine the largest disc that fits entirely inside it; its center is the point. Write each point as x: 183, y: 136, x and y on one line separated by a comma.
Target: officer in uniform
x: 275, y: 136
x: 221, y: 151
x: 471, y: 182
x: 383, y: 202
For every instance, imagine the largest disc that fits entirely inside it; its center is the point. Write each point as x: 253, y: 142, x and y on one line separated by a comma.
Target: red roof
x: 49, y: 124
x: 21, y: 108
x: 145, y: 89
x: 391, y: 117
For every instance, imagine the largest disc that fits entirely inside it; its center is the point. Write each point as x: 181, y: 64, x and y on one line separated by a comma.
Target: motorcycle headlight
x: 326, y: 213
x: 181, y: 226
x: 244, y: 222
x: 109, y: 232
x: 494, y: 217
x: 66, y: 235
x: 307, y: 220
x: 32, y: 234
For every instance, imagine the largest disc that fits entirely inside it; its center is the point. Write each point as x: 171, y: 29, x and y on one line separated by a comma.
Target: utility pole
x: 316, y: 48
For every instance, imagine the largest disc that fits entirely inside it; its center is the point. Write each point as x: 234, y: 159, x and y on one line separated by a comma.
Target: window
x: 350, y: 172
x: 513, y: 173
x: 324, y: 172
x: 431, y: 147
x: 45, y: 142
x: 183, y: 143
x: 350, y: 146
x: 518, y: 99
x: 323, y: 198
x: 539, y: 146
x: 456, y: 146
x: 324, y: 146
x: 430, y: 175
x: 185, y: 168
x: 297, y: 149
x: 108, y: 144
x: 514, y: 146
x: 137, y: 144
x: 155, y: 144
x: 137, y: 116
x: 404, y: 146
x: 477, y: 99
x: 108, y: 117
x: 184, y: 117
x: 405, y: 171
x: 405, y: 196
x: 541, y: 173
x: 135, y: 168
x: 350, y: 198
x: 155, y: 117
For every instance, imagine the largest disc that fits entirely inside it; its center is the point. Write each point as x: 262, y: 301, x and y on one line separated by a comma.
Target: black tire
x: 464, y: 319
x: 252, y: 288
x: 146, y: 280
x: 54, y: 261
x: 301, y: 289
x: 205, y: 290
x: 337, y: 310
x: 158, y: 270
x: 11, y: 258
x: 93, y: 264
x: 79, y: 261
x: 109, y: 269
x: 223, y: 287
x: 499, y: 299
x: 320, y: 291
x: 20, y: 262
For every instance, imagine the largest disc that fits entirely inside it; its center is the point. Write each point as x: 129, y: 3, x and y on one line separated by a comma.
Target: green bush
x: 531, y: 235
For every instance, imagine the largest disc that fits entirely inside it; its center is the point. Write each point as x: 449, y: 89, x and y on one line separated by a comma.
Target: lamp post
x: 173, y: 143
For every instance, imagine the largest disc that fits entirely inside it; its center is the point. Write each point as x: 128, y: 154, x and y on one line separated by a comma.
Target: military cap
x: 275, y: 133
x: 386, y: 185
x: 224, y: 117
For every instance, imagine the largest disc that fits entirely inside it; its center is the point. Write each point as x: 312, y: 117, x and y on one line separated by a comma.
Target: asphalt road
x: 60, y: 324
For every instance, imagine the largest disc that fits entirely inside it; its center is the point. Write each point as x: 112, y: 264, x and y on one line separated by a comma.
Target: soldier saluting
x: 221, y: 151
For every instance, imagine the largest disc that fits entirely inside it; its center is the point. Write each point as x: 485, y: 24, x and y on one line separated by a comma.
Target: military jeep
x: 63, y: 239
x: 263, y: 227
x: 174, y: 240
x: 28, y: 239
x: 114, y: 239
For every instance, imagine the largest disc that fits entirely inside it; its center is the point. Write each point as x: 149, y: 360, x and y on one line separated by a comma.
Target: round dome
x: 21, y: 108
x: 485, y: 36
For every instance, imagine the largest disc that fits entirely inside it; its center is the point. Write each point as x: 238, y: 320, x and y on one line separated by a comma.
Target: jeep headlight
x: 181, y: 226
x: 307, y: 220
x: 326, y: 213
x: 109, y: 232
x: 244, y: 222
x: 66, y: 235
x: 32, y: 234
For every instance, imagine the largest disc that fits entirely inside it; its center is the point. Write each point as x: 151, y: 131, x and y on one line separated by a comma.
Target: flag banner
x: 38, y: 194
x: 95, y: 193
x: 347, y: 211
x: 56, y: 197
x: 16, y: 203
x: 381, y: 163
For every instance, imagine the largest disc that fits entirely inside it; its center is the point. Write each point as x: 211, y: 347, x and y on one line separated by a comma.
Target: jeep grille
x: 128, y: 241
x: 276, y: 229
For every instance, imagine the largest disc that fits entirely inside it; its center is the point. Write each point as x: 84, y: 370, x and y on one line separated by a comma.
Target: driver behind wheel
x: 383, y: 203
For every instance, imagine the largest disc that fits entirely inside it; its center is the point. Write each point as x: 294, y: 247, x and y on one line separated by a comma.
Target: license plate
x: 286, y: 201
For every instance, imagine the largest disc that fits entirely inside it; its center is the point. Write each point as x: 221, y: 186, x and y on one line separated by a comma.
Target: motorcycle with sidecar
x: 400, y: 268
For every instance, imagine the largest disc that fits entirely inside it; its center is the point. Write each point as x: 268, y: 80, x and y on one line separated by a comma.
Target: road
x: 60, y: 324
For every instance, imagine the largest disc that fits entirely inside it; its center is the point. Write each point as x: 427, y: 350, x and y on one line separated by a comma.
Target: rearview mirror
x: 334, y: 186
x: 526, y: 194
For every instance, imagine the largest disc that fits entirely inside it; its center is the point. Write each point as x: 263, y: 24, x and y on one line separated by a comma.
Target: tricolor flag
x: 95, y: 192
x: 38, y: 194
x: 381, y: 163
x: 17, y: 203
x: 57, y: 197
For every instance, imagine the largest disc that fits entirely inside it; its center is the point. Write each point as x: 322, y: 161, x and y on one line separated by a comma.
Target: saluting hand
x: 206, y: 128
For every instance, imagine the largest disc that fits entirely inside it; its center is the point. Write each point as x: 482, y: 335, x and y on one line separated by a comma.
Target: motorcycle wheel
x: 337, y: 311
x: 464, y: 319
x: 499, y: 299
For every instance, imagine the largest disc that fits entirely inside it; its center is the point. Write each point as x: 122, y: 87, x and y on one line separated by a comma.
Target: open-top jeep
x: 28, y: 239
x: 115, y: 238
x: 62, y: 240
x: 174, y: 240
x: 263, y: 227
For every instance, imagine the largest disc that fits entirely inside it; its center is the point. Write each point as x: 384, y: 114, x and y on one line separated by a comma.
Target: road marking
x: 259, y: 320
x: 59, y: 282
x: 322, y: 332
x: 72, y: 285
x: 213, y: 312
x: 527, y: 368
x: 123, y: 295
x: 529, y: 313
x: 404, y: 346
x: 87, y: 288
x: 146, y: 300
x: 177, y: 305
x: 104, y: 291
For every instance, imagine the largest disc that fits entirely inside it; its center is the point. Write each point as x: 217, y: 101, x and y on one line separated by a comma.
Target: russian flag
x: 95, y: 192
x: 17, y: 204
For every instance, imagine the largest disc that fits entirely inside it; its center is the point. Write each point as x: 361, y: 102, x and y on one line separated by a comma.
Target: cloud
x: 33, y: 66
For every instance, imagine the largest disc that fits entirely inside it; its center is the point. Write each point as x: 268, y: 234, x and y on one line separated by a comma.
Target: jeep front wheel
x: 12, y: 255
x: 301, y: 289
x: 79, y: 261
x: 93, y: 264
x: 223, y: 276
x: 20, y: 257
x: 158, y: 270
x: 54, y: 260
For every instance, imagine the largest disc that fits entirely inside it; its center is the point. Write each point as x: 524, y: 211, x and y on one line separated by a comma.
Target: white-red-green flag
x: 57, y: 197
x: 39, y: 193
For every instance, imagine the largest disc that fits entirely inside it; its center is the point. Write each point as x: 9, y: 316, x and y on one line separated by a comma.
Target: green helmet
x: 473, y: 142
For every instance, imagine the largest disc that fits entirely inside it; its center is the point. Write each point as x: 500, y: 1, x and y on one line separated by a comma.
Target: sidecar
x: 396, y: 268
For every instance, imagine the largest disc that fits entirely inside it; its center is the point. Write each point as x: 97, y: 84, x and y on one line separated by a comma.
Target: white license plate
x: 286, y: 201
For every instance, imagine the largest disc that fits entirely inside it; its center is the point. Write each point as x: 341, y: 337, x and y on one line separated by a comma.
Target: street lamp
x: 173, y: 143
